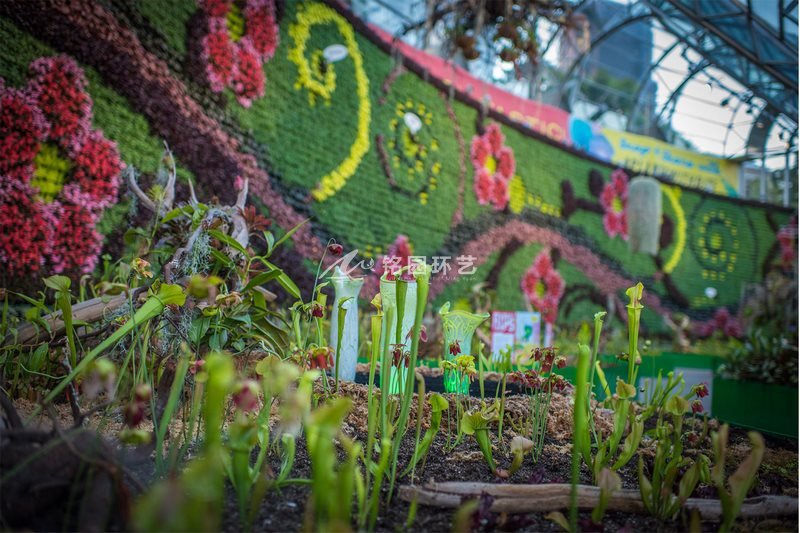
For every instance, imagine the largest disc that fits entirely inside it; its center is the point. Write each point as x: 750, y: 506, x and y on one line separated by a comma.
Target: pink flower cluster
x: 722, y: 322
x: 543, y: 286
x: 614, y: 200
x: 494, y: 166
x: 46, y: 124
x: 238, y: 63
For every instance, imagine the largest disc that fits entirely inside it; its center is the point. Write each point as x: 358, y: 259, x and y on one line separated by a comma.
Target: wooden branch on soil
x: 550, y: 497
x: 89, y: 311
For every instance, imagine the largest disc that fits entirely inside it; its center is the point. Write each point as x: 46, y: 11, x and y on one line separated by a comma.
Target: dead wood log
x: 550, y: 497
x: 89, y: 311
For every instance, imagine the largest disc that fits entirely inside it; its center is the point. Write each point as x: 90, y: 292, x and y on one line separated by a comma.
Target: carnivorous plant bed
x: 192, y: 386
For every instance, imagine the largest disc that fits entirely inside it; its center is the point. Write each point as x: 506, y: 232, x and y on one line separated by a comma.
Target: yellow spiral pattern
x: 309, y: 79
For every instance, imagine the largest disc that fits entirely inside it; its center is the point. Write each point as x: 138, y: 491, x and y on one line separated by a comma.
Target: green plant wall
x: 328, y: 140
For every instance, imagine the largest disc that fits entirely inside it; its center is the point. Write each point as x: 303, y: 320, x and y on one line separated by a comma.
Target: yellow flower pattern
x: 322, y: 84
x: 673, y: 194
x: 520, y: 198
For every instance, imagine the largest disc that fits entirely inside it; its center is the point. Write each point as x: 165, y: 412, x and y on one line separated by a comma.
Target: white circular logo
x: 413, y: 122
x: 711, y: 293
x: 335, y: 52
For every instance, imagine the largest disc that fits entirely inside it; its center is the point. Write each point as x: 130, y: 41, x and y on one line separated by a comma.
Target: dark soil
x: 285, y: 509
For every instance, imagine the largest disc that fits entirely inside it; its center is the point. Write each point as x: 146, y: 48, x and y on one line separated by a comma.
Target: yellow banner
x: 656, y: 158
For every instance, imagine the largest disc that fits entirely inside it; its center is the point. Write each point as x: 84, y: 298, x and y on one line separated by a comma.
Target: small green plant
x: 606, y: 448
x: 477, y: 424
x: 462, y: 367
x: 733, y: 493
x: 193, y: 500
x: 540, y: 385
x: 153, y: 307
x: 519, y: 447
x: 504, y: 367
x: 580, y: 430
x: 422, y: 274
x: 438, y: 404
x: 657, y: 396
x: 61, y: 285
x: 634, y: 307
x: 332, y: 486
x: 669, y: 465
x: 609, y: 482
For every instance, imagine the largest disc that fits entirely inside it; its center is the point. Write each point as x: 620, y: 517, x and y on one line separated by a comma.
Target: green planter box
x: 760, y: 406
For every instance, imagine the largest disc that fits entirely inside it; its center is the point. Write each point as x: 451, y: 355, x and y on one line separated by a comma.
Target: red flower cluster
x: 234, y: 60
x: 56, y: 173
x: 134, y: 411
x: 614, y: 200
x: 245, y: 396
x: 494, y: 167
x: 455, y: 348
x: 543, y: 286
x: 26, y: 228
x: 536, y: 382
x: 335, y: 249
x: 544, y: 379
x: 722, y: 322
x: 700, y: 390
x: 787, y: 240
x: 321, y: 358
x: 546, y: 357
x: 697, y: 406
x: 400, y: 356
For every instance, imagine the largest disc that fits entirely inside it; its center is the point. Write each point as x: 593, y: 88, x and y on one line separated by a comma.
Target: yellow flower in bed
x: 466, y: 364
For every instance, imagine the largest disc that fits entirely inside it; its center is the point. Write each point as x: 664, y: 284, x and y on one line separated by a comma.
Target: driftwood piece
x: 550, y: 497
x: 89, y: 311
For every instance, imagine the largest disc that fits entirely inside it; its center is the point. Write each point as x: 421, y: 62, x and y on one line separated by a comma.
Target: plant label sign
x: 515, y: 329
x: 528, y: 328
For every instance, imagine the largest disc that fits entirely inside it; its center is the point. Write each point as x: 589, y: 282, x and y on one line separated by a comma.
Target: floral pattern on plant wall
x: 56, y: 174
x: 241, y: 37
x: 494, y: 167
x: 787, y: 241
x: 614, y: 200
x: 414, y: 154
x: 543, y: 286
